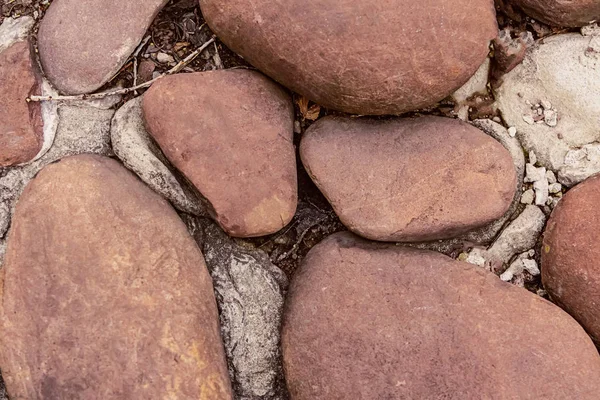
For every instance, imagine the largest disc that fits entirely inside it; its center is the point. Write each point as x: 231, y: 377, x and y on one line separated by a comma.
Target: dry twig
x: 102, y: 95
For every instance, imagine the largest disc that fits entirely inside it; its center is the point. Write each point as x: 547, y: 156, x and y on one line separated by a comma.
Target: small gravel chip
x: 164, y: 58
x: 550, y: 117
x: 533, y: 174
x: 528, y: 196
x: 555, y: 188
x: 546, y: 104
x: 541, y: 192
x: 532, y: 158
x: 550, y: 177
x: 512, y: 131
x: 528, y: 119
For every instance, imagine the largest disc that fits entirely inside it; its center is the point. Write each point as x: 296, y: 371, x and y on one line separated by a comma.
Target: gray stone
x: 580, y: 164
x: 541, y: 191
x: 250, y: 295
x: 563, y: 70
x: 138, y: 152
x: 534, y: 174
x: 14, y: 30
x: 79, y: 130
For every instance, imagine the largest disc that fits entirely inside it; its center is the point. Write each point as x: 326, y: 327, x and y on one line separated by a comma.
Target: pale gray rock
x: 138, y: 152
x: 580, y: 164
x: 4, y: 218
x: 541, y: 189
x: 14, y: 30
x: 476, y: 85
x: 564, y: 72
x: 79, y: 130
x: 250, y: 295
x: 528, y: 197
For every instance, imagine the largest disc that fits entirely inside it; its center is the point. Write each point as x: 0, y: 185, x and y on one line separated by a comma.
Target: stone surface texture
x: 250, y: 295
x: 83, y: 43
x: 362, y: 57
x: 571, y: 256
x: 409, y: 179
x: 105, y: 294
x: 560, y: 12
x: 230, y: 133
x: 562, y: 71
x: 138, y: 152
x: 380, y: 321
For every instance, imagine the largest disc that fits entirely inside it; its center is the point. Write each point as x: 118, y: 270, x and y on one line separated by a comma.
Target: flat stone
x: 250, y: 295
x: 21, y: 124
x: 138, y: 152
x: 381, y: 321
x: 571, y: 257
x: 565, y: 71
x: 230, y: 133
x: 409, y: 179
x: 362, y: 57
x: 561, y: 13
x: 103, y: 286
x: 83, y: 43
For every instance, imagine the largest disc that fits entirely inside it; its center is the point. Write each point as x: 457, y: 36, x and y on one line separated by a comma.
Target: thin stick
x: 102, y: 95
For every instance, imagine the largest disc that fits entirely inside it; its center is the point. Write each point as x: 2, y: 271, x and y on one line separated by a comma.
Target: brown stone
x: 409, y: 179
x: 230, y: 133
x: 83, y: 43
x: 562, y: 13
x: 571, y: 255
x: 379, y: 321
x: 363, y: 57
x: 21, y: 126
x: 105, y: 294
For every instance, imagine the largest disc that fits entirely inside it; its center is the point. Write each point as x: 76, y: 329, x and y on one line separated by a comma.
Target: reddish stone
x: 562, y: 13
x: 105, y: 295
x: 409, y: 179
x: 84, y: 43
x: 230, y: 133
x: 21, y: 126
x: 363, y: 57
x: 571, y: 255
x: 380, y: 321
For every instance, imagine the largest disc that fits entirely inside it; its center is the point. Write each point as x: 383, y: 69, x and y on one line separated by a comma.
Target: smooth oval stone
x: 21, y: 125
x: 560, y: 12
x: 230, y: 133
x: 105, y: 293
x: 409, y: 179
x: 571, y: 256
x: 380, y: 321
x: 84, y: 43
x: 363, y: 57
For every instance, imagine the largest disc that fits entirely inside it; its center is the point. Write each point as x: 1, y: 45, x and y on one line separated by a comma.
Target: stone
x: 21, y: 124
x: 528, y: 197
x: 477, y: 84
x: 409, y: 179
x: 563, y: 70
x: 140, y: 310
x: 580, y: 164
x: 425, y: 51
x: 138, y: 152
x: 561, y: 13
x: 571, y: 257
x: 541, y: 189
x: 84, y: 43
x: 230, y: 133
x: 249, y: 291
x: 519, y: 236
x: 14, y: 30
x: 79, y: 129
x: 534, y: 174
x: 381, y: 321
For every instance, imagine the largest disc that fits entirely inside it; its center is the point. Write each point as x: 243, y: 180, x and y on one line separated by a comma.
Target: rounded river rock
x: 561, y: 12
x: 105, y: 295
x: 571, y: 255
x: 380, y: 321
x: 363, y: 57
x: 409, y: 179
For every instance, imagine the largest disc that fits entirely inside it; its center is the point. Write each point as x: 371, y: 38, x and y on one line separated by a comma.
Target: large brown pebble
x: 571, y: 255
x: 409, y: 179
x: 561, y: 13
x: 84, y: 43
x: 21, y: 126
x: 379, y: 321
x: 363, y: 57
x: 105, y: 294
x: 230, y: 133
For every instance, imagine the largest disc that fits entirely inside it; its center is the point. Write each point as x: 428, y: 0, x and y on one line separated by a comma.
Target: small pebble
x: 546, y: 104
x: 528, y: 119
x: 532, y: 158
x: 550, y: 177
x: 550, y: 118
x: 512, y: 131
x: 533, y: 174
x: 555, y: 188
x: 541, y: 192
x: 164, y: 58
x: 528, y: 196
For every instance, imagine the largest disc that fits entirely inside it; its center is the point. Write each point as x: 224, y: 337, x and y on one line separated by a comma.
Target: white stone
x: 534, y: 174
x: 541, y: 191
x: 580, y: 164
x: 14, y: 30
x: 476, y: 85
x: 532, y: 158
x: 528, y: 196
x: 555, y: 188
x: 550, y: 177
x: 164, y: 58
x: 512, y: 131
x: 562, y: 70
